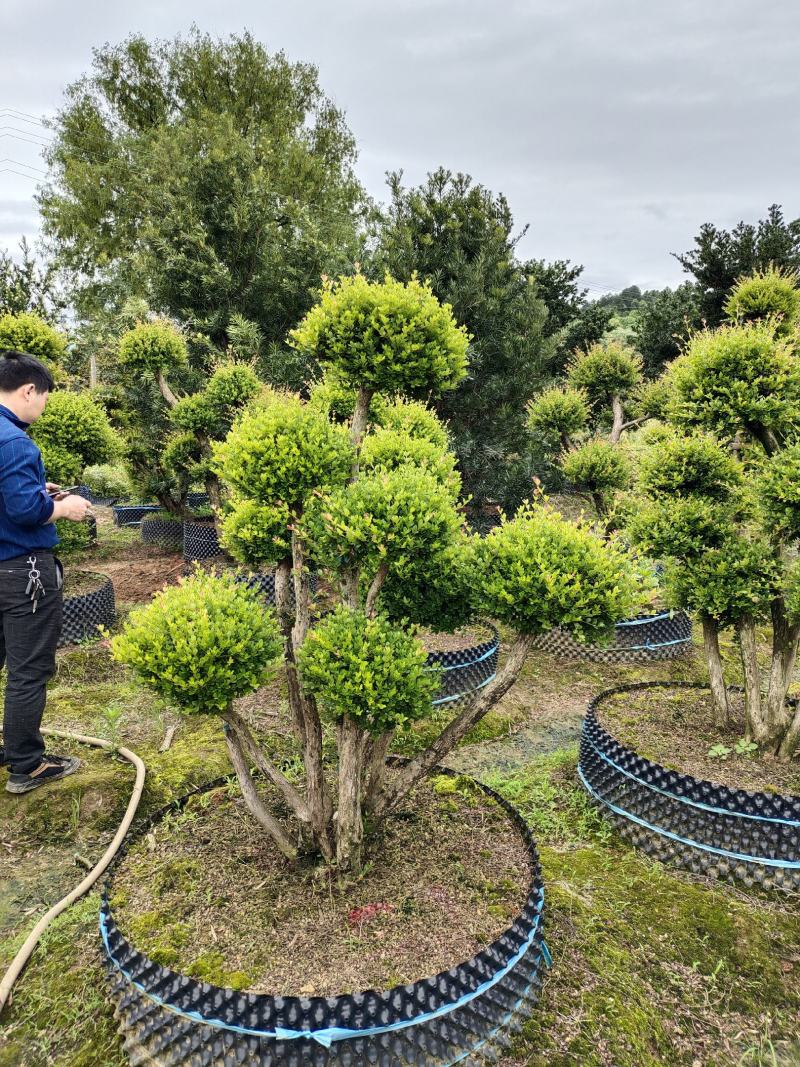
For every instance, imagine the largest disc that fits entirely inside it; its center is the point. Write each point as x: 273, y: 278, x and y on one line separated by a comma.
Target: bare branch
x: 423, y: 764
x: 375, y: 588
x: 252, y: 799
x: 166, y: 392
x: 249, y: 745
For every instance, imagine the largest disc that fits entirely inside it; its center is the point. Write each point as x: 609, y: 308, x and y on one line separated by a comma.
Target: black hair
x: 18, y: 369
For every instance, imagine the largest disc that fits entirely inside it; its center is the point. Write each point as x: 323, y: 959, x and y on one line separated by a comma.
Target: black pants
x: 28, y: 641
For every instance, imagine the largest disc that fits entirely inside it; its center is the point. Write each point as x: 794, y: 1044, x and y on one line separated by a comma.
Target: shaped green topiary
x: 367, y: 669
x: 201, y: 643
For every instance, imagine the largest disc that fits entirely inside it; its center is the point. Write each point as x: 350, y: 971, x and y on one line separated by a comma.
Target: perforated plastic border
x: 463, y: 1015
x: 132, y: 514
x: 155, y: 531
x: 732, y: 834
x: 264, y: 585
x: 93, y: 498
x: 640, y: 640
x: 466, y: 670
x: 200, y: 541
x: 198, y: 500
x: 84, y: 614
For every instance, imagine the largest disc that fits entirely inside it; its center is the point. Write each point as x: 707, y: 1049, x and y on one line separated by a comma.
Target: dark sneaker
x: 49, y: 770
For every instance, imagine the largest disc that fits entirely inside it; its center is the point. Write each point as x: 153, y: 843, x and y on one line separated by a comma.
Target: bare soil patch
x: 208, y: 894
x: 136, y: 580
x: 675, y: 727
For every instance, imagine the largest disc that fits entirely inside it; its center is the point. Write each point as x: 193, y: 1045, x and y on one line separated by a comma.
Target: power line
x: 22, y: 163
x: 21, y: 116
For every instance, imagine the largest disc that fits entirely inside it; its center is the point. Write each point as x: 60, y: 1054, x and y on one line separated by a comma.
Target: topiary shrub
x: 378, y: 516
x: 720, y: 503
x: 108, y: 480
x: 73, y: 432
x: 772, y: 293
x: 598, y: 469
x: 557, y: 415
x: 27, y: 332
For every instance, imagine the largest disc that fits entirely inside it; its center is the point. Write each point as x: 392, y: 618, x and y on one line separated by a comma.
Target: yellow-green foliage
x: 283, y: 451
x: 255, y: 534
x: 153, y: 346
x: 605, y: 370
x: 596, y: 467
x: 416, y: 419
x: 779, y: 492
x: 202, y: 643
x: 557, y: 414
x: 388, y: 336
x: 737, y: 579
x: 385, y: 450
x: 679, y: 464
x: 108, y: 480
x: 337, y: 399
x: 772, y: 293
x: 540, y: 571
x: 29, y: 333
x: 437, y: 590
x: 367, y: 669
x: 735, y: 378
x: 401, y: 517
x: 73, y: 431
x: 211, y: 411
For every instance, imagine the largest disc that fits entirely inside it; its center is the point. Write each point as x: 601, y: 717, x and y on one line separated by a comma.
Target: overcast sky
x: 615, y: 129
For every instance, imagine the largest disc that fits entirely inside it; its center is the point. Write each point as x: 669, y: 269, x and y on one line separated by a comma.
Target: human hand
x: 74, y: 508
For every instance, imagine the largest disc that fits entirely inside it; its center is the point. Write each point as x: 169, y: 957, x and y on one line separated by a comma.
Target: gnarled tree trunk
x: 716, y: 677
x: 754, y: 723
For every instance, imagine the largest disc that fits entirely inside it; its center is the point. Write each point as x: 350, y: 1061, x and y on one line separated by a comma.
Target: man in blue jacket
x: 30, y: 575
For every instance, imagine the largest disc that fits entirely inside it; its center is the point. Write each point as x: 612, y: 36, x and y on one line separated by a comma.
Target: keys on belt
x: 34, y: 588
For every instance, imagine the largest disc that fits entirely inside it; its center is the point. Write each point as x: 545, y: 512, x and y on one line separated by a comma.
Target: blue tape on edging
x: 327, y: 1036
x: 650, y: 647
x: 645, y: 620
x: 472, y: 662
x: 687, y: 800
x: 784, y: 864
x: 469, y: 692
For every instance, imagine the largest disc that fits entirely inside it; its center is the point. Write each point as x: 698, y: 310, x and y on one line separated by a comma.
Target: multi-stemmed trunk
x: 719, y: 691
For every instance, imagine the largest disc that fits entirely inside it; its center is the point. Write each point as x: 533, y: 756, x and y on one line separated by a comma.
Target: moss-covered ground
x: 650, y: 966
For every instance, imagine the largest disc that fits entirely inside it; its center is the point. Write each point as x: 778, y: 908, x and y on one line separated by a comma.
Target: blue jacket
x: 25, y: 506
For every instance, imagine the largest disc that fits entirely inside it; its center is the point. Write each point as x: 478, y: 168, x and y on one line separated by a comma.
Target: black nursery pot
x: 462, y: 1015
x: 200, y: 541
x: 132, y: 514
x: 644, y: 639
x: 83, y: 615
x: 466, y: 670
x: 157, y: 531
x: 733, y: 834
x: 94, y: 498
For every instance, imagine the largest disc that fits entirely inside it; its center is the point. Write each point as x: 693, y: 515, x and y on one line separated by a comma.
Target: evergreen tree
x: 207, y: 176
x: 458, y: 236
x: 721, y: 257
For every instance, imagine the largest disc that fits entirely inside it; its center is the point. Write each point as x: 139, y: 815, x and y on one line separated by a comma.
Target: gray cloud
x: 615, y: 129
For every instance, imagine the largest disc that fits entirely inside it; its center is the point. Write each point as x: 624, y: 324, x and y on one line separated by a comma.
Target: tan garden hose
x: 25, y: 953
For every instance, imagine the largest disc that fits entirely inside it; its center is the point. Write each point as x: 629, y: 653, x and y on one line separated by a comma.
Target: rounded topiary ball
x: 388, y: 337
x: 201, y: 643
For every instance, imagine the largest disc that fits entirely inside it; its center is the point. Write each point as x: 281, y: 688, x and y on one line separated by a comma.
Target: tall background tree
x: 720, y: 257
x: 211, y: 178
x: 27, y: 285
x: 459, y: 236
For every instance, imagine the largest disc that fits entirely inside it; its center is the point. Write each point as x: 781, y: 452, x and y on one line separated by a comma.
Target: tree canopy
x: 209, y: 176
x: 720, y: 257
x: 459, y: 237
